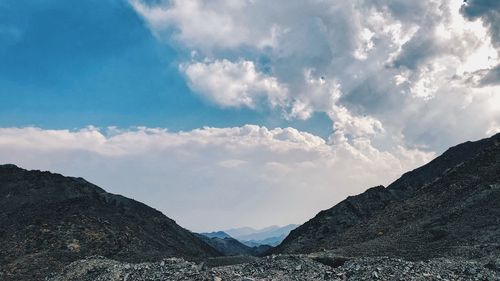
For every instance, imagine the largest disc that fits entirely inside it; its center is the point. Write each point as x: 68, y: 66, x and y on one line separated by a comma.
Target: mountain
x: 216, y: 234
x: 230, y: 246
x: 48, y: 220
x: 271, y: 241
x: 449, y: 207
x: 272, y: 235
x: 240, y: 231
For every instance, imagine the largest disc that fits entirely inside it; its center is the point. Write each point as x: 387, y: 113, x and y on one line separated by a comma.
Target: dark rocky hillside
x: 449, y: 207
x: 231, y: 247
x: 48, y: 220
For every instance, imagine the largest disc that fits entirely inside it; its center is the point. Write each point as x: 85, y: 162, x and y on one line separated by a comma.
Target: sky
x: 227, y: 113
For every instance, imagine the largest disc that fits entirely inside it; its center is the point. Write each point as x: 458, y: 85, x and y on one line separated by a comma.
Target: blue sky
x: 306, y: 102
x: 73, y: 64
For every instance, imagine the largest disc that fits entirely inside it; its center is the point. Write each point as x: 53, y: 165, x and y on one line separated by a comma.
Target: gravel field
x: 284, y: 267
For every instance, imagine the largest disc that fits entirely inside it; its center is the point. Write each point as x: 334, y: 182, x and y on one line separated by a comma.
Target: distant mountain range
x: 246, y: 240
x: 272, y: 235
x: 449, y: 207
x: 216, y: 234
x: 229, y: 246
x: 48, y: 220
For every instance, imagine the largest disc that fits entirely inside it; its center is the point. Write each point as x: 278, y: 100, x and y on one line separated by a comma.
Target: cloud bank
x: 214, y: 178
x: 413, y: 73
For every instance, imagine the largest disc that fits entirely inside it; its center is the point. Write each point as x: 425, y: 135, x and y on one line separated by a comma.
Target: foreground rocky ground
x: 284, y: 267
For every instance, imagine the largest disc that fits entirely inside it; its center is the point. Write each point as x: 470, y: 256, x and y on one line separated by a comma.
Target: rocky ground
x: 284, y: 267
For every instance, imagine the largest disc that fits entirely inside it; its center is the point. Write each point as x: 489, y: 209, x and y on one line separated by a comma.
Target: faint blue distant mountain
x: 229, y: 246
x: 272, y: 235
x: 271, y: 241
x: 216, y: 234
x: 236, y: 232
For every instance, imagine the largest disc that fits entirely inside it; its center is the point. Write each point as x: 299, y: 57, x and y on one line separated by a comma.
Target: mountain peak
x: 9, y: 167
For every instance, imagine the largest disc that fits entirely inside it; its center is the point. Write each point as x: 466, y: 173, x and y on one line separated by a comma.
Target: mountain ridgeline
x: 246, y: 240
x: 449, y: 207
x: 271, y: 235
x: 49, y: 220
x: 229, y: 246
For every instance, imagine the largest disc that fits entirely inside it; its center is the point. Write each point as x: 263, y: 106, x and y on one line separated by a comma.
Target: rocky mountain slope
x: 449, y: 207
x: 229, y: 246
x: 48, y: 220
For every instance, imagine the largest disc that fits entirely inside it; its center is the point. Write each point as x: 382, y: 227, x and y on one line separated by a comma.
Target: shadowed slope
x: 450, y: 206
x: 49, y: 220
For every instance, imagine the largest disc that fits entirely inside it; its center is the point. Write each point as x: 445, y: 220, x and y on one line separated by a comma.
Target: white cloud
x: 209, y: 24
x: 214, y: 178
x: 354, y: 126
x: 233, y: 84
x: 367, y: 64
x: 494, y: 128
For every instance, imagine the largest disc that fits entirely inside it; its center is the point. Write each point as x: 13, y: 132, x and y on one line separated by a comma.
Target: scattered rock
x: 494, y: 264
x: 281, y: 268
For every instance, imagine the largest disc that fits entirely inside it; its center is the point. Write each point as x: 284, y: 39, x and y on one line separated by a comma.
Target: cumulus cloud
x: 214, y: 178
x: 209, y: 24
x: 368, y: 65
x: 233, y: 84
x: 488, y: 11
